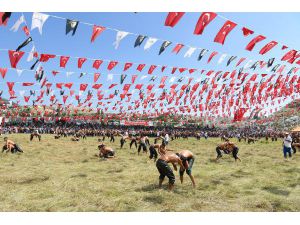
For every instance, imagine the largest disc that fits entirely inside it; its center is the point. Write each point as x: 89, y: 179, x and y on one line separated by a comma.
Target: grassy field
x: 60, y: 175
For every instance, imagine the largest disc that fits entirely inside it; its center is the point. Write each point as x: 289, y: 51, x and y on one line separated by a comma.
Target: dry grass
x: 60, y: 175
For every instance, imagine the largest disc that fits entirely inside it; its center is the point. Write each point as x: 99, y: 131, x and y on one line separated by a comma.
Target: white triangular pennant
x: 19, y: 72
x: 30, y: 56
x: 120, y: 35
x: 248, y: 64
x: 172, y: 79
x: 110, y: 77
x: 221, y: 59
x: 38, y: 20
x: 17, y: 24
x: 149, y: 43
x: 189, y: 52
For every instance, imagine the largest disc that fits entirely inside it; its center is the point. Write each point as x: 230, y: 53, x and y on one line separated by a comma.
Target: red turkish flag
x: 111, y: 65
x: 97, y: 86
x: 192, y: 70
x: 54, y: 72
x: 173, y: 70
x: 49, y: 85
x: 203, y: 21
x: 14, y: 57
x: 290, y: 56
x: 46, y: 57
x: 173, y: 18
x: 26, y: 98
x: 127, y: 66
x: 80, y: 62
x: 4, y: 23
x: 181, y: 70
x: 224, y: 31
x: 247, y: 31
x: 26, y: 30
x: 177, y: 48
x: 253, y: 78
x: 83, y: 87
x: 141, y: 67
x: 280, y: 70
x: 253, y: 42
x: 133, y: 78
x: 97, y: 63
x: 240, y: 61
x: 65, y: 97
x: 10, y: 85
x: 263, y: 64
x: 211, y: 56
x: 268, y: 47
x: 27, y: 84
x: 63, y: 61
x: 3, y: 72
x: 139, y: 86
x: 126, y: 87
x: 59, y: 85
x: 97, y: 30
x: 96, y: 77
x: 12, y: 94
x: 173, y: 86
x: 69, y: 85
x: 284, y: 47
x: 163, y: 79
x: 112, y: 85
x: 163, y: 68
x: 150, y: 86
x: 151, y: 69
x: 195, y: 87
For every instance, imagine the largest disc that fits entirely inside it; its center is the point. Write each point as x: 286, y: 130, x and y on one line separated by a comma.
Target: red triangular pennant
x: 97, y: 30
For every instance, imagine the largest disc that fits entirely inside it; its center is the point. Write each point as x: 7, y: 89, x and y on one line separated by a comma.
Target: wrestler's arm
x: 181, y: 165
x: 175, y: 167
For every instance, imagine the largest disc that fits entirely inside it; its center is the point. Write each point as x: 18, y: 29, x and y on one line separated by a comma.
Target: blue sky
x: 281, y: 27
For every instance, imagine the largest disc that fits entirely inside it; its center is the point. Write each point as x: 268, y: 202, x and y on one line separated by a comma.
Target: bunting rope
x: 157, y: 65
x: 135, y: 34
x: 212, y: 102
x: 225, y: 18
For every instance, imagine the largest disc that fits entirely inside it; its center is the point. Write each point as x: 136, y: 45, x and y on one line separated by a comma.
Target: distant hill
x: 4, y: 101
x: 289, y: 116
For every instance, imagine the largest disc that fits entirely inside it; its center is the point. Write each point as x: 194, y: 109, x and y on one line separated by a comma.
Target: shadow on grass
x: 241, y: 173
x: 79, y: 175
x: 154, y: 199
x: 115, y: 171
x: 148, y: 188
x: 276, y: 191
x: 293, y: 170
x: 31, y: 180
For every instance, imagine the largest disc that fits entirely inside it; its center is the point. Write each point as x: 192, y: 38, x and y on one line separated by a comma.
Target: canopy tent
x: 296, y: 129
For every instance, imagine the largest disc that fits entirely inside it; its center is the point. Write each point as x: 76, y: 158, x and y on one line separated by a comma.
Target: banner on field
x: 136, y: 123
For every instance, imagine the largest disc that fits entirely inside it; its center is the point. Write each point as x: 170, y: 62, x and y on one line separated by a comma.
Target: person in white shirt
x: 166, y: 139
x: 287, y: 145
